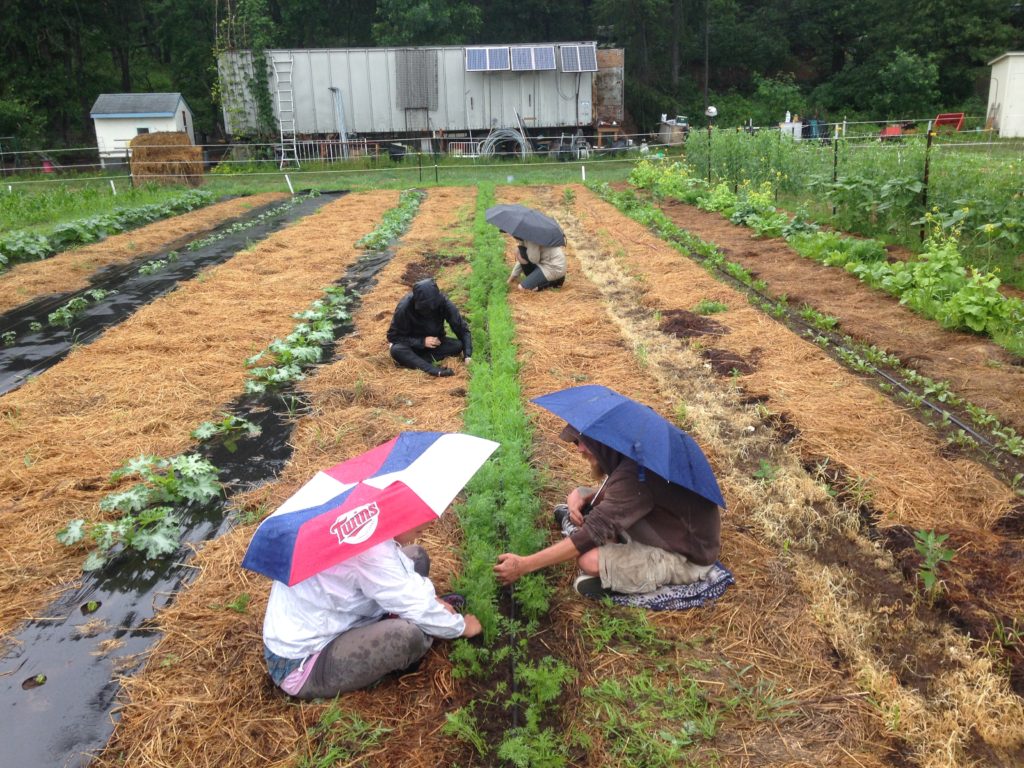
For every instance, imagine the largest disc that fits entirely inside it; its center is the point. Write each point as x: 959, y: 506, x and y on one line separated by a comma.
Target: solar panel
x: 522, y: 59
x: 476, y: 59
x: 588, y: 58
x: 544, y: 57
x: 497, y: 58
x: 579, y: 58
x: 531, y: 57
x: 570, y: 58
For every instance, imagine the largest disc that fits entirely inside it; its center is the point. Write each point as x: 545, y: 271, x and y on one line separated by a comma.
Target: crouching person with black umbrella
x: 417, y: 336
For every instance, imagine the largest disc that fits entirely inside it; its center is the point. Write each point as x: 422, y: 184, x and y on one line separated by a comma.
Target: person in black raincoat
x: 417, y: 335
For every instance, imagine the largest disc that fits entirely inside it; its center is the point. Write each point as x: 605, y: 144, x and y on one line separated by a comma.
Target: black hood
x: 427, y: 297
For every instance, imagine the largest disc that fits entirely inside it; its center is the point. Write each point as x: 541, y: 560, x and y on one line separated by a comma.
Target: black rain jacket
x: 423, y: 312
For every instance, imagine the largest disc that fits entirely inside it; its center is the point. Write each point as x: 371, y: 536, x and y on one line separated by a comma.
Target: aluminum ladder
x: 286, y: 111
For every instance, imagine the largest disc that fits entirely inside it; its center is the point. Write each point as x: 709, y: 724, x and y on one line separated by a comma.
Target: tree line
x: 870, y: 59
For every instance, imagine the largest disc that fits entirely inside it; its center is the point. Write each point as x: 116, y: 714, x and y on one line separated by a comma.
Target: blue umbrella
x: 638, y: 432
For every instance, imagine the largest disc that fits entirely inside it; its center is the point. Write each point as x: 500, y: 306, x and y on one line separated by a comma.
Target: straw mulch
x: 214, y: 705
x: 70, y: 270
x: 166, y: 157
x: 571, y: 336
x: 145, y: 385
x: 838, y: 418
x: 976, y: 368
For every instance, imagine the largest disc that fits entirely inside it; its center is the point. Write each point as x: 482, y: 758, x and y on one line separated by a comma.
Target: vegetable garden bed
x: 831, y: 648
x: 70, y: 270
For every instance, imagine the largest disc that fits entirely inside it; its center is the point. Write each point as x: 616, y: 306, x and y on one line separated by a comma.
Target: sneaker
x: 562, y: 520
x: 455, y: 600
x: 590, y: 586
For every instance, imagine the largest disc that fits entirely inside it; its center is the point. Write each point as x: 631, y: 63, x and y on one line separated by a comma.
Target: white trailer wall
x: 1006, y: 95
x: 368, y: 79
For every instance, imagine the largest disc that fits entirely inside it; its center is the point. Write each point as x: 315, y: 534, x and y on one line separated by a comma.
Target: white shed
x: 1006, y: 95
x: 120, y: 117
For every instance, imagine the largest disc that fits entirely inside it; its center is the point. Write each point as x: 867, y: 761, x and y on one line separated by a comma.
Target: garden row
x: 839, y: 461
x: 820, y: 633
x: 72, y: 270
x: 795, y: 293
x: 884, y: 189
x: 145, y: 515
x: 21, y: 246
x: 936, y: 283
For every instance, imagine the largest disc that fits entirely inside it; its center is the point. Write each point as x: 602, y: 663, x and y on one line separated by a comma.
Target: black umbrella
x: 526, y: 224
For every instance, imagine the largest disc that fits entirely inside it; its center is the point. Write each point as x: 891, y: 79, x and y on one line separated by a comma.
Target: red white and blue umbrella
x: 359, y: 503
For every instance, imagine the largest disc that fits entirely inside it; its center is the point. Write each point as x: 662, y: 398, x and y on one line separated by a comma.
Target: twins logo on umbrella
x: 356, y: 526
x: 359, y: 503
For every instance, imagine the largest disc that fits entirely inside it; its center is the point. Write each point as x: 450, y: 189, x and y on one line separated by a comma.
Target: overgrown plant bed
x: 71, y: 270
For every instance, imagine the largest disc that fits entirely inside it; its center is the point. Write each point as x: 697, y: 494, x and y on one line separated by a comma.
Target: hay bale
x: 166, y: 158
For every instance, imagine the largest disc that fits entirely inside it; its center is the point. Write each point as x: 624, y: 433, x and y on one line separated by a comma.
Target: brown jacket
x: 653, y: 512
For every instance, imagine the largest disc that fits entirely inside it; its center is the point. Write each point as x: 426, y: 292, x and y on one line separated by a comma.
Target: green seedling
x: 709, y: 307
x: 230, y: 429
x: 8, y: 338
x: 929, y: 545
x: 766, y: 472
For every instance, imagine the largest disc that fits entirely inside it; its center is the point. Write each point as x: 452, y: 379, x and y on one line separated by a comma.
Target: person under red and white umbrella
x: 351, y: 601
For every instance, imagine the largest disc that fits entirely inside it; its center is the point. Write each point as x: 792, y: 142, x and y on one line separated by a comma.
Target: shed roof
x: 136, y: 105
x: 1006, y: 55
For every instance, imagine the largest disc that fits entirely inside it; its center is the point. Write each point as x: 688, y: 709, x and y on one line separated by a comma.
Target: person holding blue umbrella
x: 654, y: 518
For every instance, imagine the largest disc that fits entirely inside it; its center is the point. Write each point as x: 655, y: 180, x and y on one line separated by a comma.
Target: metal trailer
x: 423, y: 91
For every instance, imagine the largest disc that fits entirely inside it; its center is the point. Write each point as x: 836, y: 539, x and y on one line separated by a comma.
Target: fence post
x: 709, y: 153
x: 835, y: 166
x: 924, y: 191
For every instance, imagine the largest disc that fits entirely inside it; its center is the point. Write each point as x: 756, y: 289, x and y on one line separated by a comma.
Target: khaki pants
x: 632, y: 568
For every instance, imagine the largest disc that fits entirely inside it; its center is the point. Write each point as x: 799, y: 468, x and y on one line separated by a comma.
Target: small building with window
x: 120, y: 117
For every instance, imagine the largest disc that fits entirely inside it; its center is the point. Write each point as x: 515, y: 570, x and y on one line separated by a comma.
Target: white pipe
x: 290, y: 188
x: 113, y: 187
x: 583, y: 170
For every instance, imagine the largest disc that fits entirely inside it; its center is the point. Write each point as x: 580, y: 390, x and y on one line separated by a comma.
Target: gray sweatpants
x: 361, y: 656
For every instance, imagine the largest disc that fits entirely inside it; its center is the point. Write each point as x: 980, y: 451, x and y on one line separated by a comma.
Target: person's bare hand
x: 575, y: 501
x: 509, y: 568
x: 473, y: 626
x: 432, y: 342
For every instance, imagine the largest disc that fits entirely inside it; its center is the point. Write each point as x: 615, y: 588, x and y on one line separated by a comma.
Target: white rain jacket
x: 304, y: 618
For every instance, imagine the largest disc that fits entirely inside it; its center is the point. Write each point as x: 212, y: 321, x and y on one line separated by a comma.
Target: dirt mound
x: 166, y: 158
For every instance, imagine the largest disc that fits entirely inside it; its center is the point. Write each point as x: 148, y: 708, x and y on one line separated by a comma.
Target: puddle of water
x: 103, y: 629
x: 35, y: 351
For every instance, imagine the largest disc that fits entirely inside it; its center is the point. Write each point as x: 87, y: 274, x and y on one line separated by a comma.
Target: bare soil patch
x: 70, y: 270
